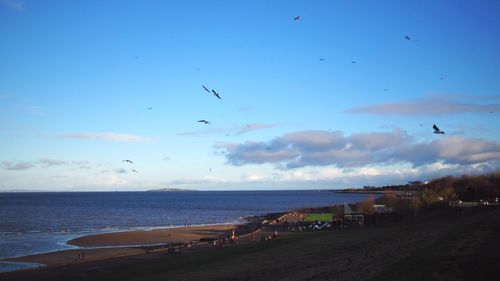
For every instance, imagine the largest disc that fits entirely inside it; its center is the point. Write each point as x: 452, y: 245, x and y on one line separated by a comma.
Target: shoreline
x: 121, y: 243
x: 109, y: 245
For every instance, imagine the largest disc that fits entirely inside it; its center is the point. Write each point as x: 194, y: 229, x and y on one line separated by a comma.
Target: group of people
x: 267, y: 237
x: 229, y: 239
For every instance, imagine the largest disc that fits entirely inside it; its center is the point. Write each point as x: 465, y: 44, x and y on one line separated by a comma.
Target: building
x: 352, y: 218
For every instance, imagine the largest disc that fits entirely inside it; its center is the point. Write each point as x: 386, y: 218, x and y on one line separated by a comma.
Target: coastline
x: 365, y: 191
x: 134, y: 242
x: 423, y: 245
x: 110, y: 245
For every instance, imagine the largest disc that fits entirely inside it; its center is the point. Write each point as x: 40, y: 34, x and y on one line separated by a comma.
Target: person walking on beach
x: 233, y: 238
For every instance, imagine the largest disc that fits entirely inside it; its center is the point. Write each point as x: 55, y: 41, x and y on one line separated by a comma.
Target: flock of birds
x: 217, y: 95
x: 213, y: 92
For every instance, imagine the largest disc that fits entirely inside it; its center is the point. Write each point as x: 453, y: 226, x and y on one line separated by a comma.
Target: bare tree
x: 368, y: 208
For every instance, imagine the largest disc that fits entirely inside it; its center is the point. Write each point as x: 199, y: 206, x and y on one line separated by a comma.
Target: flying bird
x: 442, y: 77
x: 205, y: 88
x: 149, y: 108
x: 421, y: 125
x: 385, y: 90
x: 296, y: 18
x: 407, y: 37
x: 353, y: 61
x: 216, y: 94
x: 322, y: 59
x: 134, y: 171
x: 126, y: 160
x: 436, y: 130
x: 204, y: 121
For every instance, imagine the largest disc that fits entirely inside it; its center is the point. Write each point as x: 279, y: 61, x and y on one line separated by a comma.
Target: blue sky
x: 77, y: 79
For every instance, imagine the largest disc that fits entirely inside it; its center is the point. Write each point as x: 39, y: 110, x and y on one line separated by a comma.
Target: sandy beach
x: 127, y: 243
x: 156, y: 236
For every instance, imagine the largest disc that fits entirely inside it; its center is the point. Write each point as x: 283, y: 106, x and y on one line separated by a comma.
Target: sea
x: 32, y: 223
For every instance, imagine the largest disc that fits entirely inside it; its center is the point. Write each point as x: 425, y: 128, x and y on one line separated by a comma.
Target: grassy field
x: 319, y: 217
x: 438, y: 245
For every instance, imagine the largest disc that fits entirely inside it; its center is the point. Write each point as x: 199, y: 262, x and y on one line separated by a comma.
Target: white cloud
x: 120, y: 171
x: 107, y: 136
x: 203, y: 133
x: 8, y: 165
x: 236, y: 130
x: 433, y: 105
x: 52, y: 162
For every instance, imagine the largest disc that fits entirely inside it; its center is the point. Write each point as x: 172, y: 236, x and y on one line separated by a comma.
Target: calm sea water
x: 41, y: 222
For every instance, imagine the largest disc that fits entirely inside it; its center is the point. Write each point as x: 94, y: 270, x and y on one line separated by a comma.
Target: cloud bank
x: 322, y: 148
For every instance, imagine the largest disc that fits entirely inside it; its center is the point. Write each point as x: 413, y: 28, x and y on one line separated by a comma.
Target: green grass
x: 319, y: 217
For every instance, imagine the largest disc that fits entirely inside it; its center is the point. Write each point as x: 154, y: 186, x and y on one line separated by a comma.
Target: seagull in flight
x: 204, y: 121
x: 436, y: 130
x: 297, y: 18
x: 134, y: 171
x: 126, y: 160
x: 205, y: 88
x: 407, y: 37
x: 353, y: 61
x: 216, y: 94
x: 322, y: 59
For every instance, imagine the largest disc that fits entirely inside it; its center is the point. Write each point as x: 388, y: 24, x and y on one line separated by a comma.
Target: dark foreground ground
x: 437, y: 245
